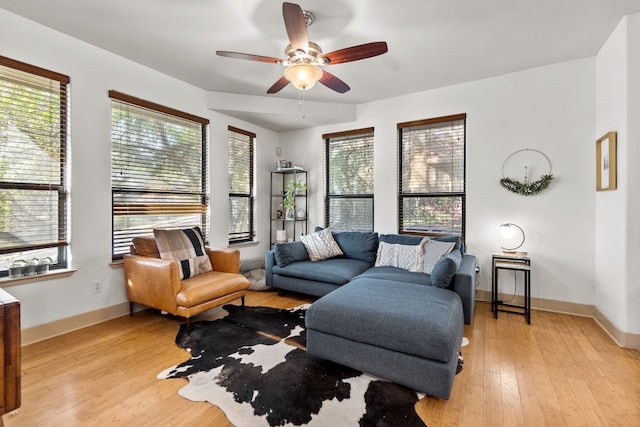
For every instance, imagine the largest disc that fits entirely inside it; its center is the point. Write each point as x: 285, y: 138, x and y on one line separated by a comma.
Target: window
x: 241, y: 193
x: 349, y: 180
x: 33, y: 164
x: 432, y: 176
x: 158, y: 170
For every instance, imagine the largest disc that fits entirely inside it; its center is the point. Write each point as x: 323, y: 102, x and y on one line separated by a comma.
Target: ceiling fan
x: 305, y: 59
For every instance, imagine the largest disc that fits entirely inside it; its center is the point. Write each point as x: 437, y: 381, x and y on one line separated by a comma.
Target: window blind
x: 432, y: 176
x: 241, y: 185
x: 33, y: 164
x: 158, y: 170
x: 349, y: 172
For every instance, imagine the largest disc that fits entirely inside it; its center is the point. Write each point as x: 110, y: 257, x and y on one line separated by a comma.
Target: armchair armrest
x: 152, y: 281
x: 224, y: 260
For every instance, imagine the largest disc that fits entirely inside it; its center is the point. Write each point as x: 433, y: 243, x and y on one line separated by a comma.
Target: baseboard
x: 623, y: 339
x: 69, y: 324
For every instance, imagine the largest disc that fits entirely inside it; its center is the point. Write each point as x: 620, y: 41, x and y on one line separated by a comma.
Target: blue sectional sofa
x: 287, y: 267
x: 404, y: 326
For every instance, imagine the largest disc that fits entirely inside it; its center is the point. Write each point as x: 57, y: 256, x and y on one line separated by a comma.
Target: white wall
x: 551, y: 109
x: 633, y: 178
x: 93, y: 72
x: 617, y: 212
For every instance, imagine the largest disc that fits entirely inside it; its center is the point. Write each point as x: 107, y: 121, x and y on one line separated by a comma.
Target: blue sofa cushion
x: 423, y: 321
x: 334, y: 270
x: 287, y: 253
x: 444, y: 270
x: 396, y: 275
x: 360, y: 245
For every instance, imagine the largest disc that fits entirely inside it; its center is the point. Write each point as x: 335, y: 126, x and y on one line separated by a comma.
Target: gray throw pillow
x: 287, y: 253
x: 444, y: 270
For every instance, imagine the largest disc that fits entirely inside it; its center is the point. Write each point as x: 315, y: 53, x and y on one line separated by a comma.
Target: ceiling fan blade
x: 279, y: 85
x: 296, y: 26
x: 247, y: 56
x: 355, y: 53
x: 332, y: 82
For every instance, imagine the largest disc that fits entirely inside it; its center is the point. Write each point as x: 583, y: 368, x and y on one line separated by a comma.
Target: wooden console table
x: 10, y: 384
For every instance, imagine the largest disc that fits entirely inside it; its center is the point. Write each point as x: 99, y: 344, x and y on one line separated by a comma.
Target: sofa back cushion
x: 360, y: 245
x: 287, y: 253
x: 408, y: 239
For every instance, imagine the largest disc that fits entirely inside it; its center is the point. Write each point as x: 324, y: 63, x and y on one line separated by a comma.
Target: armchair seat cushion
x: 209, y: 286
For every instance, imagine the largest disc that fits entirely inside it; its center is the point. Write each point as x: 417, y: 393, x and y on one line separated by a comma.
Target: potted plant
x: 291, y: 189
x: 16, y: 269
x: 43, y: 265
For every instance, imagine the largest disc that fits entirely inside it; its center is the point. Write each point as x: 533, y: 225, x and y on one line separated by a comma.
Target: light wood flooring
x: 559, y: 371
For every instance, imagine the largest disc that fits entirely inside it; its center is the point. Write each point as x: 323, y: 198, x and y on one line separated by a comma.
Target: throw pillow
x: 433, y: 251
x: 321, y: 245
x: 445, y: 269
x: 406, y: 257
x: 286, y: 253
x: 185, y: 246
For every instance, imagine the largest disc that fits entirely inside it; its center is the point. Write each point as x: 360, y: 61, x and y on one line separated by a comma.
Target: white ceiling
x: 431, y: 43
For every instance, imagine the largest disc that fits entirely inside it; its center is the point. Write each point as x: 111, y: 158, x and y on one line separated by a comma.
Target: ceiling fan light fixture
x: 303, y: 76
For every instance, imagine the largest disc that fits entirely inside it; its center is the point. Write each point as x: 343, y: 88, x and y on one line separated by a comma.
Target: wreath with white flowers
x: 526, y: 188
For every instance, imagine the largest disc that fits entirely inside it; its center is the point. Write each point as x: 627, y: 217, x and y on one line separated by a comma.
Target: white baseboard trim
x: 623, y: 339
x: 69, y: 324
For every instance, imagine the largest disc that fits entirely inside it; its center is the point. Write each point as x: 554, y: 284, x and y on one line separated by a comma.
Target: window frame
x: 202, y: 209
x: 341, y: 137
x: 62, y: 187
x: 432, y: 195
x: 250, y: 234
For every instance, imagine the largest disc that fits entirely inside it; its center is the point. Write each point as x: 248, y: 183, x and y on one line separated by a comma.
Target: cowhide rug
x: 252, y: 365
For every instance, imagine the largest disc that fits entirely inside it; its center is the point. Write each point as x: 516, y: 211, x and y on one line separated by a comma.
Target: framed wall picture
x: 606, y: 162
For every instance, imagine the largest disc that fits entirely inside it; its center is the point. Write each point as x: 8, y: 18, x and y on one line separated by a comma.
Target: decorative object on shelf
x: 31, y: 268
x: 281, y: 236
x: 526, y: 188
x: 43, y: 265
x: 283, y: 165
x: 291, y: 189
x: 508, y: 231
x: 16, y: 269
x: 301, y: 214
x: 606, y: 162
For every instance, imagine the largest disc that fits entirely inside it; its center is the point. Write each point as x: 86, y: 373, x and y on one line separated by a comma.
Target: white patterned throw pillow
x: 321, y: 245
x: 433, y: 251
x: 407, y: 257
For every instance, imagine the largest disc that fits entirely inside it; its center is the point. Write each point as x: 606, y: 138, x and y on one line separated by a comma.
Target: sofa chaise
x: 379, y: 317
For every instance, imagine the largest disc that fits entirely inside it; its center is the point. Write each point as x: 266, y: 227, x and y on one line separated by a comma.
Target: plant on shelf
x: 291, y: 189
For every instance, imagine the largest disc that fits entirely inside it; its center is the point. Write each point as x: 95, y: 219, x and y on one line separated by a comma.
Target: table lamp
x: 508, y: 231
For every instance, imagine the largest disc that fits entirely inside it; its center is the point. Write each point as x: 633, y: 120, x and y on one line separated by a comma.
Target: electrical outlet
x: 96, y: 286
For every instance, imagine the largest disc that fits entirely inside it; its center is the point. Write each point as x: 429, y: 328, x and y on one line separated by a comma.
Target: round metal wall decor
x: 526, y: 187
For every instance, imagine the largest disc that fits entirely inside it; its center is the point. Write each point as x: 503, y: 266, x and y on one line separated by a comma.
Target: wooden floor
x: 559, y: 371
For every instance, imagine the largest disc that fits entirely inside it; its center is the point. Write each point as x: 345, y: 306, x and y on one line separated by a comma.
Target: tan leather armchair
x: 156, y: 283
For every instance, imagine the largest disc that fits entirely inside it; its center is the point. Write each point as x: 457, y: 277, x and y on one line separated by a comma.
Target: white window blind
x: 241, y: 186
x: 432, y: 176
x: 349, y: 173
x: 158, y: 170
x: 33, y: 164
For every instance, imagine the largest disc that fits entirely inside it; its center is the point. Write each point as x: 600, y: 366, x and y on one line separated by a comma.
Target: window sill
x: 244, y: 244
x: 53, y: 274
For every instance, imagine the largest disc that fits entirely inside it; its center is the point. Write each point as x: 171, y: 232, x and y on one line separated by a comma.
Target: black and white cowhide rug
x: 253, y: 366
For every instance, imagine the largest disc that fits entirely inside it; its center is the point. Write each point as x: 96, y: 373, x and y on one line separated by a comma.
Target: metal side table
x: 516, y: 263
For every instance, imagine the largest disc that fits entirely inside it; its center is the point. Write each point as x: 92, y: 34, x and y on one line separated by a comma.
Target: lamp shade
x: 303, y: 76
x: 508, y: 231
